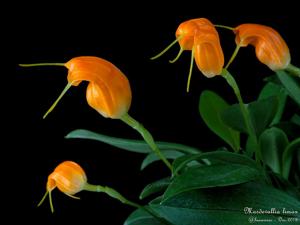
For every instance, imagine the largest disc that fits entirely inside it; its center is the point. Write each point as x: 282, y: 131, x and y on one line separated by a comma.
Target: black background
x: 128, y: 40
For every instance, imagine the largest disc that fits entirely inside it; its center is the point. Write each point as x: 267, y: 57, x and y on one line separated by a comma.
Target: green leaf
x: 251, y: 147
x: 290, y: 84
x: 214, y: 157
x: 296, y: 119
x: 261, y: 112
x: 291, y: 129
x: 211, y: 106
x: 287, y: 157
x: 152, y: 157
x: 155, y: 187
x: 215, y: 175
x: 272, y: 144
x: 271, y: 89
x: 140, y: 217
x: 283, y: 184
x: 229, y: 206
x: 138, y: 146
x: 233, y: 117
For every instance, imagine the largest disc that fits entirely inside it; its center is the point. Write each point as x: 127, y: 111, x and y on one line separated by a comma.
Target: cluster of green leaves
x: 217, y: 187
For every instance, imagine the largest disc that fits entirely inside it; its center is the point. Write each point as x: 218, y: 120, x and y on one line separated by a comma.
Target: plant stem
x: 249, y: 126
x: 293, y: 70
x: 116, y: 195
x: 147, y: 137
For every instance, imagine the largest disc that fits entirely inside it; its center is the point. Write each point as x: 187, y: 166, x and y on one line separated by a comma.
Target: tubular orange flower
x: 68, y: 177
x: 270, y: 48
x: 108, y: 91
x: 201, y: 37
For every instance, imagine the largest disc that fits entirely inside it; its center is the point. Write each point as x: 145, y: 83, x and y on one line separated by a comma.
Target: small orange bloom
x: 201, y: 36
x: 270, y: 47
x: 68, y: 177
x: 108, y: 90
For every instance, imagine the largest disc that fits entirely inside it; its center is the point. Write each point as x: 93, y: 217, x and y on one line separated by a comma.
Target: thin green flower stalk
x: 293, y: 70
x: 246, y: 116
x: 116, y: 195
x: 126, y: 118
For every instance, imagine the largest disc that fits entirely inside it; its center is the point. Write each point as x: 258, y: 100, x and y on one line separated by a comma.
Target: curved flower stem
x: 116, y: 195
x: 293, y: 70
x: 249, y: 126
x: 147, y: 137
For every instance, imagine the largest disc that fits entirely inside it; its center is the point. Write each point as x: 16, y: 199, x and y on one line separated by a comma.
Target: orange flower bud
x: 68, y: 177
x: 270, y: 47
x: 108, y: 90
x: 201, y: 36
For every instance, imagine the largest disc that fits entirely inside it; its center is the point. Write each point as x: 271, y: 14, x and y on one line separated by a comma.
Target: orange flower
x: 201, y: 36
x: 108, y: 91
x: 68, y: 177
x: 270, y: 47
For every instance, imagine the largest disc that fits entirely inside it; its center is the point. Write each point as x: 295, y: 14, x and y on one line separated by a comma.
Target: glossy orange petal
x: 200, y: 34
x: 108, y: 91
x: 208, y: 52
x: 189, y: 29
x: 68, y: 177
x: 270, y: 48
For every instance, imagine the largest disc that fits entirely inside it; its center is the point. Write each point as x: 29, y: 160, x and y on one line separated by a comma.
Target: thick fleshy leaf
x: 233, y: 117
x: 155, y: 187
x: 261, y: 112
x: 296, y: 119
x: 251, y: 146
x: 272, y: 142
x: 141, y: 217
x: 291, y: 129
x: 238, y: 204
x: 215, y: 175
x: 130, y: 144
x: 271, y: 89
x: 211, y: 106
x: 283, y: 184
x: 152, y: 157
x: 287, y: 157
x: 214, y: 157
x: 291, y: 84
